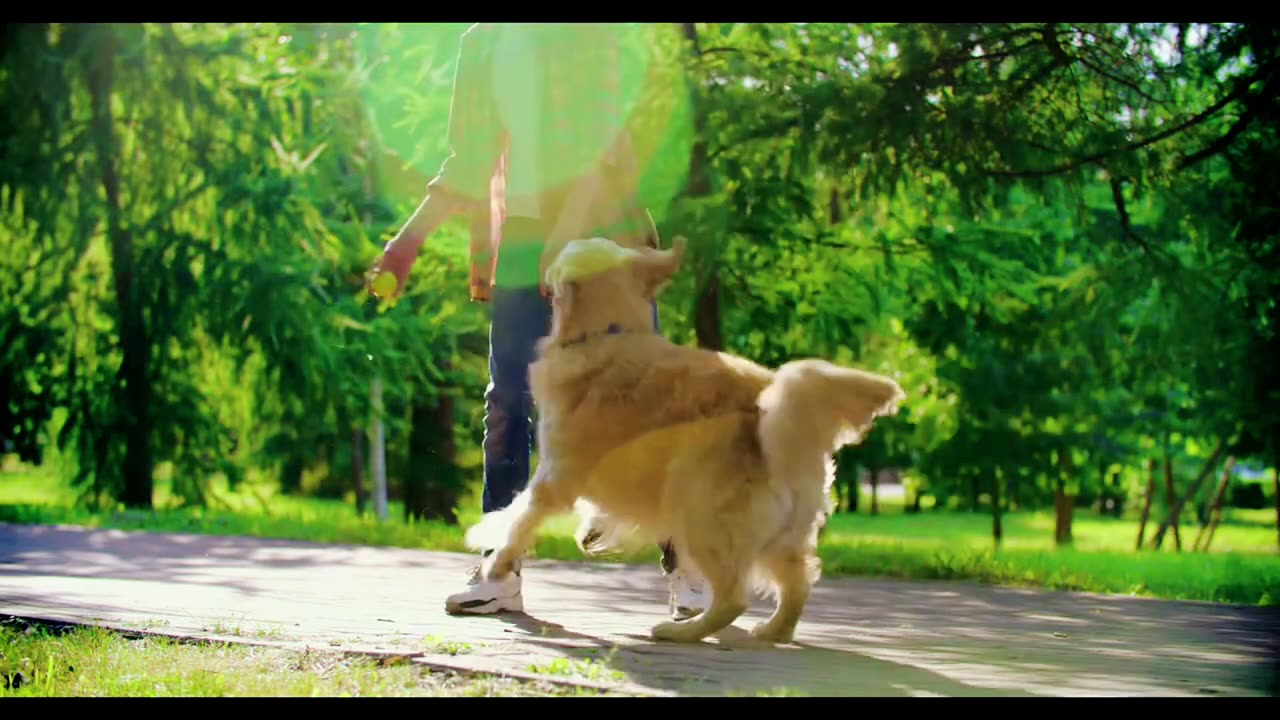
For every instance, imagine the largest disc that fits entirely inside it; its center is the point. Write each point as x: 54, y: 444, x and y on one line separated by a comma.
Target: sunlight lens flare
x: 563, y: 130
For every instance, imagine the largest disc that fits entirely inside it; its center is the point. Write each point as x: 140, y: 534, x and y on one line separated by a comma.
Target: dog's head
x: 598, y: 286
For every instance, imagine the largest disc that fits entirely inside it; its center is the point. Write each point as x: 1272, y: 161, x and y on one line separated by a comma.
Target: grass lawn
x: 1243, y: 567
x: 38, y: 661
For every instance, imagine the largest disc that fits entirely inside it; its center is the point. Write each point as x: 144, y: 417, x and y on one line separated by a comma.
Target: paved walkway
x: 859, y: 636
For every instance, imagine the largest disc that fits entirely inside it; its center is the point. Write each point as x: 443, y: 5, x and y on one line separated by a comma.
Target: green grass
x: 36, y: 661
x: 581, y: 668
x: 1243, y: 566
x: 436, y: 644
x: 1247, y: 531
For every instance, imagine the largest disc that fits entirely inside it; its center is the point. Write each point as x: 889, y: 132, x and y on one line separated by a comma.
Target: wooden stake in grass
x: 1146, y: 503
x: 1215, y: 507
x: 1205, y: 471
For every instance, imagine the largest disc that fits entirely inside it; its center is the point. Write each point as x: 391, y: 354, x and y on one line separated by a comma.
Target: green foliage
x: 1033, y: 202
x: 250, y: 188
x: 1061, y: 238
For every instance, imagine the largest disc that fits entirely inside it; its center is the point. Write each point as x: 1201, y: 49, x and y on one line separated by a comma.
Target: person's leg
x: 518, y: 322
x: 520, y: 317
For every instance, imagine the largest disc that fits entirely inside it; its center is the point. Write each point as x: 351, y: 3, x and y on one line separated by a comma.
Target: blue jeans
x: 521, y: 316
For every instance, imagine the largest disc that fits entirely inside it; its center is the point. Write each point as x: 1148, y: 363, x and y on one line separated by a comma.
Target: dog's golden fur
x: 729, y: 459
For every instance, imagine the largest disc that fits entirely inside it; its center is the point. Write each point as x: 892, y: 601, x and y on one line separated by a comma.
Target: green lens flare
x: 559, y: 128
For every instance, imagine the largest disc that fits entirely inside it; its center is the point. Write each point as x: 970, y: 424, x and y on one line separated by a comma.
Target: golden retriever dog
x: 730, y: 459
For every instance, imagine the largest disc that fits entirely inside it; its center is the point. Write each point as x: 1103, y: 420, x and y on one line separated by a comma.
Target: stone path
x: 588, y: 623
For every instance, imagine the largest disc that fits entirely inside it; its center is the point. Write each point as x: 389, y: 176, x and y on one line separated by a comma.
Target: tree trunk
x: 706, y: 315
x: 973, y: 493
x: 1064, y: 505
x: 368, y: 183
x: 135, y: 397
x: 357, y: 468
x: 291, y: 476
x: 1146, y: 502
x: 1275, y: 488
x: 1171, y: 497
x: 1215, y: 507
x: 1063, y: 514
x: 855, y: 490
x: 378, y: 448
x: 846, y: 481
x: 334, y: 484
x: 1195, y: 485
x: 707, y: 321
x: 699, y: 180
x: 875, y: 491
x: 997, y: 528
x: 432, y: 485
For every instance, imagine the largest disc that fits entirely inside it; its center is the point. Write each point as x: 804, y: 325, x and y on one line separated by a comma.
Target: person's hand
x: 395, y: 263
x: 399, y: 254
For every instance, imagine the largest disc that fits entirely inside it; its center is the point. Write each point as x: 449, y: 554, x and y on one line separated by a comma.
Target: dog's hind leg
x: 728, y: 598
x: 792, y: 571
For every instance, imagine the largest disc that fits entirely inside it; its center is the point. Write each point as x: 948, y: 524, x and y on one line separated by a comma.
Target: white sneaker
x: 487, y: 597
x: 689, y: 595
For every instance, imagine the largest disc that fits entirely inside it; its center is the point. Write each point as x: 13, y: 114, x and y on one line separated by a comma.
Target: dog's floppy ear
x: 657, y: 266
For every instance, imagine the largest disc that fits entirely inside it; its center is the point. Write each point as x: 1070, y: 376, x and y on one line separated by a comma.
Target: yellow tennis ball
x: 384, y: 284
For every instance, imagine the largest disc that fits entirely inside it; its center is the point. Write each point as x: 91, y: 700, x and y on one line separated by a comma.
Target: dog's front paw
x: 770, y: 633
x: 683, y: 632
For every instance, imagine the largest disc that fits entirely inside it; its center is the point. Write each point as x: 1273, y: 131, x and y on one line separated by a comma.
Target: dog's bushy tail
x: 811, y: 409
x: 827, y: 405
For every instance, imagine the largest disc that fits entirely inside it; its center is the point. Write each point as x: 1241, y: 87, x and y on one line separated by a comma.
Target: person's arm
x: 475, y: 139
x: 430, y: 214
